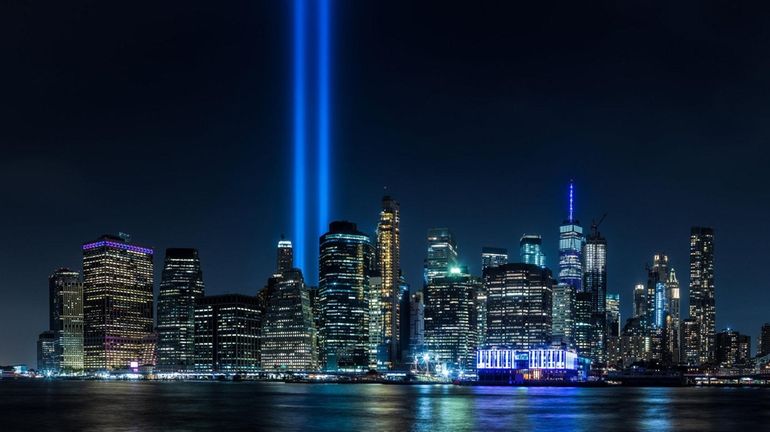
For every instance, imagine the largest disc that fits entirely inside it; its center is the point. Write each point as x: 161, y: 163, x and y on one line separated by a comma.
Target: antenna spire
x: 572, y: 201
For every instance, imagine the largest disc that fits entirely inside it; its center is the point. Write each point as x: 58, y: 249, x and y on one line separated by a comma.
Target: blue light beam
x: 299, y: 133
x: 324, y: 194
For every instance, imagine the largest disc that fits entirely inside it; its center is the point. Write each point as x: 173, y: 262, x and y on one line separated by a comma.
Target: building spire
x: 571, y: 201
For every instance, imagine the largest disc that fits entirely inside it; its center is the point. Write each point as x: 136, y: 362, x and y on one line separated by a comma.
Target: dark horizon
x: 173, y: 124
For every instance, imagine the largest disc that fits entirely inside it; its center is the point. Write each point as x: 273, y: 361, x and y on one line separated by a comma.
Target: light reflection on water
x: 193, y: 406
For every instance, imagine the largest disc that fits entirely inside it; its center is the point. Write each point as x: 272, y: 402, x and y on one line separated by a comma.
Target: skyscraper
x: 640, y: 301
x: 571, y: 241
x: 614, y: 354
x: 379, y: 352
x: 493, y: 257
x: 584, y: 324
x: 417, y: 323
x: 389, y: 266
x: 227, y: 331
x: 764, y: 340
x: 674, y: 312
x: 285, y: 256
x: 117, y: 304
x: 732, y: 348
x: 519, y: 306
x: 702, y: 304
x: 563, y: 315
x: 690, y: 342
x: 404, y: 339
x: 450, y: 318
x: 595, y: 283
x: 634, y: 341
x: 288, y: 330
x: 531, y: 250
x: 48, y: 362
x: 673, y: 296
x: 657, y: 276
x: 180, y: 287
x: 345, y: 263
x: 66, y: 320
x: 442, y: 253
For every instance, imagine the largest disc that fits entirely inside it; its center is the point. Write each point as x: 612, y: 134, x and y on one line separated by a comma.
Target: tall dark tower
x: 389, y: 265
x: 702, y: 304
x: 595, y: 283
x: 180, y: 287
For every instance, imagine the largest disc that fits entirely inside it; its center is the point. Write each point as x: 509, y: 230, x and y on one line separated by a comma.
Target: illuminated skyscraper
x: 640, y: 301
x: 450, y: 319
x: 519, y: 306
x: 66, y: 320
x: 656, y: 303
x: 481, y: 311
x: 117, y: 304
x: 634, y: 341
x: 674, y: 313
x: 442, y: 253
x: 673, y: 296
x: 227, y: 331
x: 595, y: 283
x: 180, y: 287
x: 702, y: 304
x: 48, y: 361
x: 493, y: 257
x: 531, y: 250
x: 584, y: 330
x: 614, y: 354
x: 690, y: 342
x: 732, y: 348
x: 346, y: 263
x: 571, y: 241
x: 563, y: 315
x: 379, y: 356
x: 285, y: 256
x: 764, y: 340
x: 288, y: 330
x: 389, y: 266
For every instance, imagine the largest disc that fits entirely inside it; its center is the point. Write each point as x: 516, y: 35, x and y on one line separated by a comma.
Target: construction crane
x: 595, y: 225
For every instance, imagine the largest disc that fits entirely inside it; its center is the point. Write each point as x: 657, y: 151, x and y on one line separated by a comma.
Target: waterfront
x: 198, y: 406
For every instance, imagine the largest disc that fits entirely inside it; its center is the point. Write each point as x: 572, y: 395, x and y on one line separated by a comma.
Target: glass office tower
x: 519, y: 306
x: 180, y: 287
x: 118, y: 325
x: 288, y: 330
x: 702, y: 293
x: 346, y: 263
x: 66, y: 320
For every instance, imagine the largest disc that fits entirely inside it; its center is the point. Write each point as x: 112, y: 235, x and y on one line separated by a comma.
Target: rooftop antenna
x: 571, y: 200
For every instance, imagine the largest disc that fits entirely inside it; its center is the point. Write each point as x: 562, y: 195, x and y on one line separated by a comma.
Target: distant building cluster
x: 518, y: 318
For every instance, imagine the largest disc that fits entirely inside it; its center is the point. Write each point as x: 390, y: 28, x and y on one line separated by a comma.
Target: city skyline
x: 64, y: 153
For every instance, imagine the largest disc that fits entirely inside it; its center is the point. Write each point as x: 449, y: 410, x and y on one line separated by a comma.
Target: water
x: 223, y: 406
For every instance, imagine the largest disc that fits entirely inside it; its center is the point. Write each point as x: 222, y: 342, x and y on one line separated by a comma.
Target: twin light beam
x: 302, y: 148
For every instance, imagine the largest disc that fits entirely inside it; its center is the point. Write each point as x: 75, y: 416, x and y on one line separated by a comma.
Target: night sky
x: 172, y: 122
